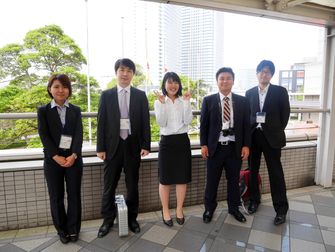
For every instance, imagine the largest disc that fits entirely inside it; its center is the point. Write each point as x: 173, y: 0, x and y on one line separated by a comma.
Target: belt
x: 226, y: 142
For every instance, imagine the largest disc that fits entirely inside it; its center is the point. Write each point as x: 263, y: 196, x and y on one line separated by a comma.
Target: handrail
x: 33, y: 115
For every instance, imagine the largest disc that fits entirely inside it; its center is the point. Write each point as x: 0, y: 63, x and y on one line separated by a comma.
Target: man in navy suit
x: 269, y: 115
x: 123, y: 136
x: 225, y: 141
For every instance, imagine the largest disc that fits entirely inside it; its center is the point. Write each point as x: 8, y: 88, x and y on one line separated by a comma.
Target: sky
x: 247, y: 40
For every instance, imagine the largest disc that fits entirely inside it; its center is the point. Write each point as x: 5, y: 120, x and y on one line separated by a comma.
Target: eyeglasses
x: 266, y: 73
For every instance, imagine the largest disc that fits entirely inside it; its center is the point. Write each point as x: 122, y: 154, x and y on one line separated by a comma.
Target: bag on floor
x: 244, y: 187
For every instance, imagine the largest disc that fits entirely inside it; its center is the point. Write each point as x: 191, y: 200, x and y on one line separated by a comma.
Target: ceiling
x: 318, y: 12
x: 327, y: 3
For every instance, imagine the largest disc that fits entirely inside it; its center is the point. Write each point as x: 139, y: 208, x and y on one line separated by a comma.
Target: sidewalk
x: 310, y: 226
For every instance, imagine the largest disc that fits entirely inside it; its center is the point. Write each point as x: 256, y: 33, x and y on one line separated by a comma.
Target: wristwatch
x: 75, y: 155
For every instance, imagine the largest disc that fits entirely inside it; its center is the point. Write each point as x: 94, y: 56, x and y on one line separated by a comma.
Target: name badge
x: 225, y: 125
x: 260, y: 117
x: 65, y: 142
x: 124, y: 124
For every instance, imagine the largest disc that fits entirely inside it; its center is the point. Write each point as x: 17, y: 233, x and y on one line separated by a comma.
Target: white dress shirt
x: 61, y: 110
x: 231, y: 122
x: 261, y: 96
x: 127, y: 94
x: 173, y: 117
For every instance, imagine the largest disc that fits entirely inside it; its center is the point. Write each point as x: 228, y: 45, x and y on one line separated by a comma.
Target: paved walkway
x: 310, y: 226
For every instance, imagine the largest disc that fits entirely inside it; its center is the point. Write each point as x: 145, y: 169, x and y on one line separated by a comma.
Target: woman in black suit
x: 61, y: 132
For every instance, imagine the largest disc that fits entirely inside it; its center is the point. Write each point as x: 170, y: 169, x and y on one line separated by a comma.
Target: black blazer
x: 277, y: 108
x: 50, y: 129
x: 108, y: 131
x: 211, y: 122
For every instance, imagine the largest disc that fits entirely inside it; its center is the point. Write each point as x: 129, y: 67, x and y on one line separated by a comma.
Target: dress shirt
x: 61, y: 110
x: 127, y: 94
x: 173, y: 117
x: 261, y: 97
x: 119, y: 89
x: 231, y: 122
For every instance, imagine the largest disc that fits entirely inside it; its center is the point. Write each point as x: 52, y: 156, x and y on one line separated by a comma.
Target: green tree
x: 45, y: 51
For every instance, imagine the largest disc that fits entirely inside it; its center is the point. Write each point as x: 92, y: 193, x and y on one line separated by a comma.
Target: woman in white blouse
x: 173, y: 114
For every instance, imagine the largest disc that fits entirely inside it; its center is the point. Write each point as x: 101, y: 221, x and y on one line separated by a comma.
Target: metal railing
x: 33, y: 115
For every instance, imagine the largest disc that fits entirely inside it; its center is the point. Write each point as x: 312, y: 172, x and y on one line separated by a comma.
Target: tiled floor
x: 310, y: 226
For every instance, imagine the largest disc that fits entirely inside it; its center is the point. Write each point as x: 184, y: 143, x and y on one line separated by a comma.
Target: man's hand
x: 245, y: 153
x: 204, y: 152
x: 144, y: 152
x: 101, y: 155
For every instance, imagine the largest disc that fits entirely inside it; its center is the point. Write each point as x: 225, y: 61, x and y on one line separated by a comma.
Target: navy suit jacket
x: 277, y: 108
x: 50, y: 129
x: 211, y: 122
x: 108, y: 131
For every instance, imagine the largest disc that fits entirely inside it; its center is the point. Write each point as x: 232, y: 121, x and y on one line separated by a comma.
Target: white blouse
x: 173, y: 117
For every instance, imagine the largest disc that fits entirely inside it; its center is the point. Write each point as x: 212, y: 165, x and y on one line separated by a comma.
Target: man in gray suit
x: 123, y: 136
x: 269, y: 115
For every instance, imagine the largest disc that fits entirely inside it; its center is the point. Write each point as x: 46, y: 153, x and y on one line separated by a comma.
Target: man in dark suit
x: 123, y: 136
x: 269, y: 115
x: 225, y: 141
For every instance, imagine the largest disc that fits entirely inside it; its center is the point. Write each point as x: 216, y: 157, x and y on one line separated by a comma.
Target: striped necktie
x: 226, y: 109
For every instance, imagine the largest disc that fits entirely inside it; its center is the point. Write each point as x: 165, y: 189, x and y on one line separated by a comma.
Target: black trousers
x: 65, y: 222
x: 130, y: 162
x: 224, y: 156
x: 275, y: 170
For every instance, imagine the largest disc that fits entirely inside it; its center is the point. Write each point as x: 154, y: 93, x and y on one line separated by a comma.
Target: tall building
x: 201, y: 43
x: 191, y: 42
x: 185, y: 40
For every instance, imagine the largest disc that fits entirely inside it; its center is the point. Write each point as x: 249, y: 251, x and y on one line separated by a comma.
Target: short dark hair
x: 225, y: 70
x: 175, y: 78
x: 125, y: 62
x: 266, y: 63
x: 63, y: 78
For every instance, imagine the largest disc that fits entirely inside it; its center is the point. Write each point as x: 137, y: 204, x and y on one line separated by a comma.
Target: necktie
x: 226, y: 110
x: 123, y: 112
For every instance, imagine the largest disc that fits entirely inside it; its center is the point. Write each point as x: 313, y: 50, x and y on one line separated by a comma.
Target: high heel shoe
x: 180, y: 221
x: 168, y: 223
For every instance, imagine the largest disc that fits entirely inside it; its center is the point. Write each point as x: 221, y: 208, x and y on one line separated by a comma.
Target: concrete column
x: 326, y: 141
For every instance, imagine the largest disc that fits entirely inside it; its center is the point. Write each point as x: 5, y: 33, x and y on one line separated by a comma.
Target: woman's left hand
x: 69, y: 161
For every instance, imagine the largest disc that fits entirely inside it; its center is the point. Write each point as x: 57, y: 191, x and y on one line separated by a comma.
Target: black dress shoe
x: 238, y: 215
x: 134, y: 226
x: 104, y: 229
x: 279, y: 219
x: 252, y: 207
x: 168, y: 223
x: 64, y: 238
x: 207, y: 216
x: 73, y: 237
x: 180, y: 221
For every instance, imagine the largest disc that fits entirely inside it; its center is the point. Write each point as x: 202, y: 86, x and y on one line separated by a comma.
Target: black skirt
x: 174, y: 159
